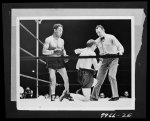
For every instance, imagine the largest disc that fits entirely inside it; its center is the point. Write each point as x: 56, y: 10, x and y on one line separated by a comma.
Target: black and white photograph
x: 75, y: 60
x: 78, y: 82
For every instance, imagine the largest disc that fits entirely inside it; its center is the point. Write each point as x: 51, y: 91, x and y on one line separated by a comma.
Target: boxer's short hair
x: 90, y: 43
x: 55, y: 26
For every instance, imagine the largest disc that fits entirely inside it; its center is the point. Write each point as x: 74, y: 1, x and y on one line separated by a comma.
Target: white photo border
x: 77, y: 18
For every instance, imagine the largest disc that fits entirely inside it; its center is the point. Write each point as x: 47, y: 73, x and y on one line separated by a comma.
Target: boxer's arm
x: 97, y: 41
x: 78, y: 51
x: 77, y: 65
x: 64, y: 52
x: 45, y: 50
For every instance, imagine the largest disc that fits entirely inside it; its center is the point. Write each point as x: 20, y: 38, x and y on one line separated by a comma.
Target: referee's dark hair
x: 100, y: 26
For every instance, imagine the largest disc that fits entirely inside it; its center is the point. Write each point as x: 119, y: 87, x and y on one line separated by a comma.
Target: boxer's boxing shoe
x: 68, y: 96
x: 114, y: 99
x: 65, y: 95
x: 53, y: 97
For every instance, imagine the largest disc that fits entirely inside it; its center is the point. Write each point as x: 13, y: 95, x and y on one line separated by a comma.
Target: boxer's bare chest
x: 56, y: 43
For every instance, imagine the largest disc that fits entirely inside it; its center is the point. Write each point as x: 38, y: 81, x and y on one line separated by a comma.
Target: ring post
x: 37, y: 54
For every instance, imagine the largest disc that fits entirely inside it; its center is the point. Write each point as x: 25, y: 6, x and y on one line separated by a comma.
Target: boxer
x: 85, y: 71
x: 54, y: 47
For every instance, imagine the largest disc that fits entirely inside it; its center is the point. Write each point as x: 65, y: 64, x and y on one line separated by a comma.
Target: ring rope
x: 43, y: 80
x: 75, y: 71
x: 61, y: 85
x: 30, y: 77
x: 72, y: 57
x: 36, y: 79
x: 31, y: 54
x: 31, y: 33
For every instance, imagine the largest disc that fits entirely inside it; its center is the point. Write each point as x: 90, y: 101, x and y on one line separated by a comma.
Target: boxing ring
x: 37, y: 54
x: 75, y: 105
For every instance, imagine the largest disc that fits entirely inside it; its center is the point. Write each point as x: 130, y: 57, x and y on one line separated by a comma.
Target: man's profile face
x: 59, y: 31
x: 100, y: 32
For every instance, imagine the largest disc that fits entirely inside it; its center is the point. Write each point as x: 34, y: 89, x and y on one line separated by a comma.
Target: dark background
x: 75, y: 34
x: 10, y: 110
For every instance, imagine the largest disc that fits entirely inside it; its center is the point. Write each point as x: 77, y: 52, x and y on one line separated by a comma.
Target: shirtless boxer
x: 54, y: 47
